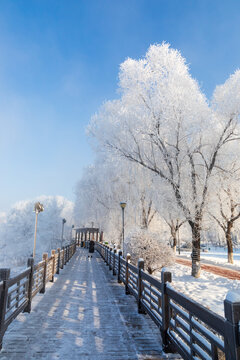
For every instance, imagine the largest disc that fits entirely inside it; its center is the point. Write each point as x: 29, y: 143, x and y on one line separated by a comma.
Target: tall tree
x: 163, y: 122
x: 227, y: 211
x: 106, y: 184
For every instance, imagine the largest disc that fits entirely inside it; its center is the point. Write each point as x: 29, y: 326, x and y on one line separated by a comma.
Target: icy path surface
x: 85, y: 314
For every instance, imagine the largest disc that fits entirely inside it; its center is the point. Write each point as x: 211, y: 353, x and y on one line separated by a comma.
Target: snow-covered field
x: 216, y: 256
x: 209, y: 290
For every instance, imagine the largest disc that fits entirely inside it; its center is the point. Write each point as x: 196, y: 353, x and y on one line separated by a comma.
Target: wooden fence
x: 16, y: 293
x: 186, y: 326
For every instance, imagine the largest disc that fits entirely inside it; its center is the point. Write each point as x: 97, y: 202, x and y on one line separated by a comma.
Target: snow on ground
x: 209, y: 290
x: 216, y: 256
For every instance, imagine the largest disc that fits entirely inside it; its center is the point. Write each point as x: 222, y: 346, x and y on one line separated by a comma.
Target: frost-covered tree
x: 166, y: 206
x: 174, y: 226
x: 17, y: 232
x: 98, y: 194
x: 142, y: 243
x: 163, y: 122
x: 225, y: 205
x: 107, y: 183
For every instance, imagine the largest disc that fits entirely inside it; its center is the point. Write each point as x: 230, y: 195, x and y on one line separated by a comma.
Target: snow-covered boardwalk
x: 84, y: 314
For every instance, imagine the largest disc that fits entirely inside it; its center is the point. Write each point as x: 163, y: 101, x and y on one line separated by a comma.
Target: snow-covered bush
x: 141, y: 243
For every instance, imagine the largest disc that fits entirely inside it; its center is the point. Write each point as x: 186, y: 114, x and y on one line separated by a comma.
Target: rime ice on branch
x: 163, y: 122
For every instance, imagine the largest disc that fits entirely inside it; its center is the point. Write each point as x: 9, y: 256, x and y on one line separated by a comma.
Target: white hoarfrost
x: 141, y: 243
x: 163, y: 122
x: 17, y: 232
x: 101, y: 189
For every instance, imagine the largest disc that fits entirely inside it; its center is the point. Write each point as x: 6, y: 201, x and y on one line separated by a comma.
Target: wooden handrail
x: 16, y: 293
x: 186, y: 326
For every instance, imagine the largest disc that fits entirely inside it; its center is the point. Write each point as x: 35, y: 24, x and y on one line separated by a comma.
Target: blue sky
x: 59, y: 61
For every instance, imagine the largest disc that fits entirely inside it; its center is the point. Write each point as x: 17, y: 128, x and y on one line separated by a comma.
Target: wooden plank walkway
x: 85, y: 314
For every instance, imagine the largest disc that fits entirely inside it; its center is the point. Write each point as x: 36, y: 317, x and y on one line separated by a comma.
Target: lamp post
x: 63, y: 222
x: 123, y: 205
x: 37, y: 209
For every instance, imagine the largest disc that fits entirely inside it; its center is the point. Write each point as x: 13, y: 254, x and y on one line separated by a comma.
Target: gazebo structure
x: 84, y: 234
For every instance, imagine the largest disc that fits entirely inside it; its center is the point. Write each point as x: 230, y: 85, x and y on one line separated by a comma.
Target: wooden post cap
x: 44, y: 256
x: 141, y: 263
x: 4, y: 274
x: 166, y: 276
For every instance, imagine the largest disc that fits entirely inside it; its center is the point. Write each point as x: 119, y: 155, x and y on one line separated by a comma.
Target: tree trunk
x: 174, y: 236
x: 150, y: 270
x: 144, y: 224
x: 174, y: 247
x: 196, y: 236
x: 229, y: 242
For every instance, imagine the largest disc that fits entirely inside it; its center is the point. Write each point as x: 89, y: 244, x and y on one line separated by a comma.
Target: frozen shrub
x: 141, y: 243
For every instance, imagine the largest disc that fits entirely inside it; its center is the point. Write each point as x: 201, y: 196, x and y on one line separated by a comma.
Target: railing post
x: 232, y: 325
x: 106, y: 258
x: 114, y: 256
x: 166, y: 276
x: 65, y: 255
x: 110, y: 258
x: 128, y: 257
x: 140, y: 268
x: 45, y: 259
x: 61, y: 261
x: 53, y: 264
x: 4, y: 276
x: 30, y: 263
x: 119, y: 265
x: 58, y: 262
x: 105, y: 253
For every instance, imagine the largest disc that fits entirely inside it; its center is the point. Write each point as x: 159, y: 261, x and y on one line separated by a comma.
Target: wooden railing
x: 16, y: 293
x: 187, y: 327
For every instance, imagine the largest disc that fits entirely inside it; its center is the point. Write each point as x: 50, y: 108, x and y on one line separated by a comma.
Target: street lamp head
x: 123, y: 205
x: 38, y: 207
x: 64, y: 221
